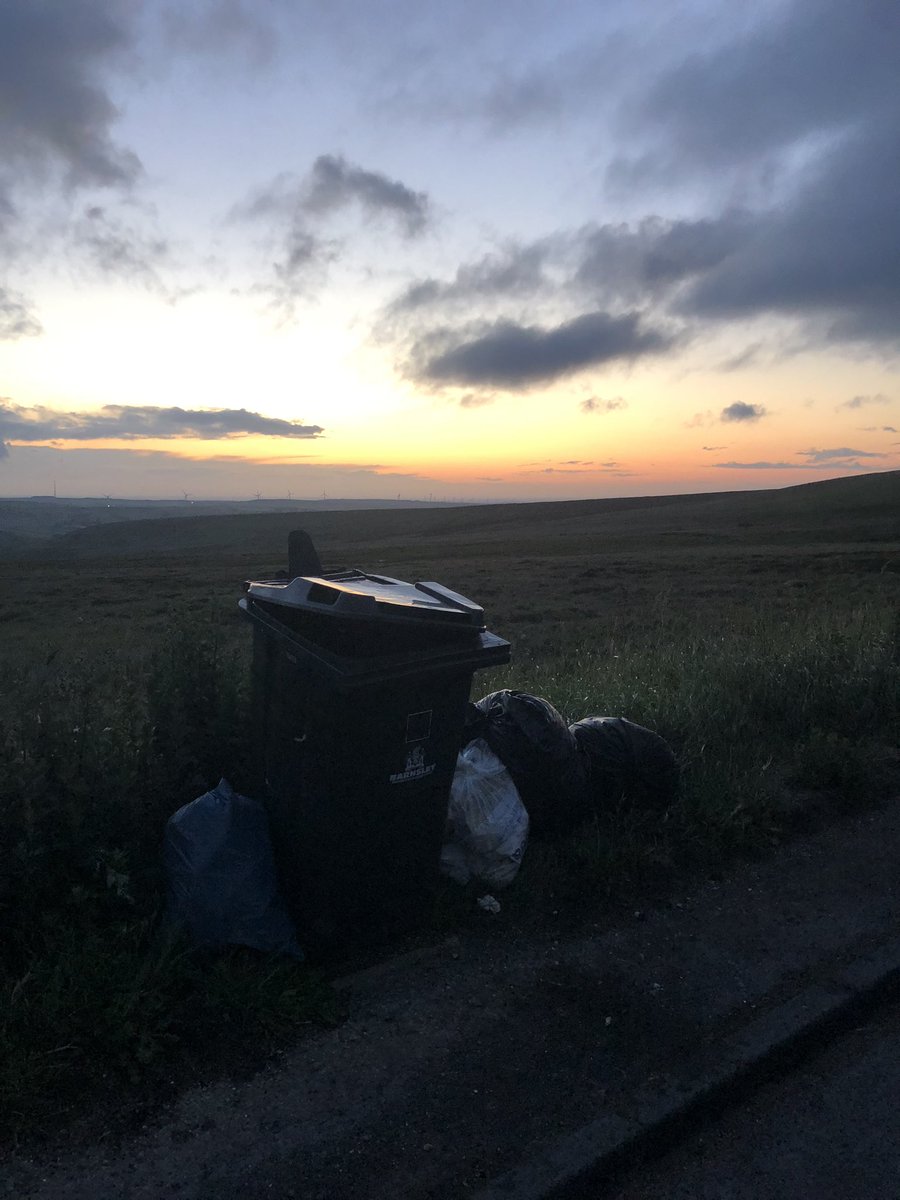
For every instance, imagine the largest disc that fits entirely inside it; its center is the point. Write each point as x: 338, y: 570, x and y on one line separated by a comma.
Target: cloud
x: 813, y: 65
x: 16, y: 317
x: 334, y: 183
x: 576, y: 466
x: 517, y: 269
x: 475, y: 400
x: 863, y: 401
x: 521, y: 99
x: 714, y: 447
x: 828, y: 464
x: 746, y: 358
x: 820, y: 456
x: 54, y: 110
x: 596, y: 404
x: 210, y: 27
x: 508, y: 355
x: 629, y: 263
x: 290, y: 209
x: 819, y: 117
x: 796, y: 113
x: 763, y: 466
x: 740, y: 411
x: 139, y: 422
x: 829, y: 253
x: 118, y: 249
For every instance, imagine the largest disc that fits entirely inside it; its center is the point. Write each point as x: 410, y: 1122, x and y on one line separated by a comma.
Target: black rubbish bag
x: 624, y: 760
x: 220, y: 874
x: 533, y: 742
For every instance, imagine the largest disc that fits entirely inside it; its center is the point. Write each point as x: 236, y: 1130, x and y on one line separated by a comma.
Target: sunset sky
x: 522, y: 250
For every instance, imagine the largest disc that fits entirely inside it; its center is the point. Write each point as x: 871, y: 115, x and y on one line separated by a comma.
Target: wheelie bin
x: 360, y: 687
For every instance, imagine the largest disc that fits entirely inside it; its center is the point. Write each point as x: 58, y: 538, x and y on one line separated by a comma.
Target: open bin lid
x: 356, y: 595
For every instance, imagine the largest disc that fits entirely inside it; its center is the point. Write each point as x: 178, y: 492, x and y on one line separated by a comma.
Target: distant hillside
x: 47, y: 516
x: 859, y: 509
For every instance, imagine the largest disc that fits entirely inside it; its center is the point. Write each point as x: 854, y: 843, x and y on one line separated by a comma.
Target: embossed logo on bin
x: 416, y: 767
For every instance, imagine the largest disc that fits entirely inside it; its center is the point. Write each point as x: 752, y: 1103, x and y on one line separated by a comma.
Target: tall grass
x: 95, y: 755
x: 767, y: 715
x: 775, y: 719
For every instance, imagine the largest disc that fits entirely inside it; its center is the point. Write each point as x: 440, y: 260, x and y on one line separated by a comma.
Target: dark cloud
x: 54, y: 109
x: 39, y: 424
x: 596, y: 404
x: 334, y: 183
x: 475, y: 400
x: 825, y: 456
x: 16, y: 317
x: 740, y: 411
x: 818, y: 66
x: 796, y: 114
x: 832, y: 252
x: 509, y: 355
x: 829, y: 252
x: 290, y: 208
x: 514, y: 271
x: 808, y: 102
x: 629, y: 264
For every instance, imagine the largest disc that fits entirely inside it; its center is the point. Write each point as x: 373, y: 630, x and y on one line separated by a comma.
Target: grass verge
x: 771, y: 717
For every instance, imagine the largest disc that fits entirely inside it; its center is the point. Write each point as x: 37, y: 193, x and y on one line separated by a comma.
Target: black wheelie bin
x: 360, y: 690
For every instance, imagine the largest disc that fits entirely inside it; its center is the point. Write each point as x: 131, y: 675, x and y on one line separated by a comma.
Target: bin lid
x: 357, y: 595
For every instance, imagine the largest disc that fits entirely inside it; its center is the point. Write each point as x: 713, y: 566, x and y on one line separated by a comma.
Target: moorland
x: 758, y: 632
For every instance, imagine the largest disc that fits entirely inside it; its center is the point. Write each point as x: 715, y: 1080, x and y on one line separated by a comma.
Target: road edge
x: 764, y: 1047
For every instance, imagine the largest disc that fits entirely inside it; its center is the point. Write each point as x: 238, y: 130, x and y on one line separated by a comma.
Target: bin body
x: 357, y: 752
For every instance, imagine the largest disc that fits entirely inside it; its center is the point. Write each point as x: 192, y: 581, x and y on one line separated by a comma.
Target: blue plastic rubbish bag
x: 220, y: 874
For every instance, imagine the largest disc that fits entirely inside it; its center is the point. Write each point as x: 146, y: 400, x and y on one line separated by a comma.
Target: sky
x: 544, y: 249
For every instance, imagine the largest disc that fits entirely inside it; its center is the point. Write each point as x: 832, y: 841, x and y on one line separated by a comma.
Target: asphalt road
x: 830, y: 1130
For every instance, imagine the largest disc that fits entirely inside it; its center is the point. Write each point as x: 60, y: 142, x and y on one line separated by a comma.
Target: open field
x: 612, y: 561
x: 758, y: 632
